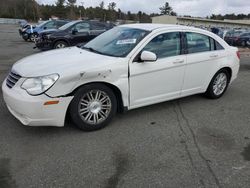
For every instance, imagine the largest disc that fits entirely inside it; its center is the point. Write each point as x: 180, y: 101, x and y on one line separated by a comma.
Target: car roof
x: 160, y: 27
x: 151, y: 27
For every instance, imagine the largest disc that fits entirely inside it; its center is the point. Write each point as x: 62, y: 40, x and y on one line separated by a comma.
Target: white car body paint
x: 140, y: 84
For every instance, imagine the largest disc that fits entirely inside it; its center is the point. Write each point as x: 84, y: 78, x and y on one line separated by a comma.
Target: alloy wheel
x: 33, y: 38
x: 94, y: 107
x: 60, y: 45
x: 220, y: 84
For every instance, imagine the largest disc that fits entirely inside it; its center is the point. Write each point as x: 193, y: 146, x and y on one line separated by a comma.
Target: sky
x: 200, y: 8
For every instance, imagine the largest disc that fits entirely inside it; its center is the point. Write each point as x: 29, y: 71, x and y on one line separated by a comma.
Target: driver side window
x: 165, y: 45
x: 82, y: 27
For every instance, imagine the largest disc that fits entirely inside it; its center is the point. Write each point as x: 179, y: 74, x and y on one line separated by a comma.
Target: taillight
x: 238, y: 54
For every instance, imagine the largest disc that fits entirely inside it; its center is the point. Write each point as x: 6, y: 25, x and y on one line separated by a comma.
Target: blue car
x: 33, y: 31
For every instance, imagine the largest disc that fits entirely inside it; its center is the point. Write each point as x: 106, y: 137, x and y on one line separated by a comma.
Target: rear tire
x: 243, y: 44
x: 60, y: 44
x: 218, y: 85
x: 93, y: 107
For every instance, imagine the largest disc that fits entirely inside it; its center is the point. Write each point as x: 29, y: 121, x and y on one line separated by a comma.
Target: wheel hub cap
x: 220, y: 84
x: 94, y: 107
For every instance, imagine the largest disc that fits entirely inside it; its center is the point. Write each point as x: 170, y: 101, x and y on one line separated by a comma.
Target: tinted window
x: 82, y: 27
x: 68, y: 25
x: 215, y: 45
x: 165, y: 45
x: 61, y: 23
x: 197, y: 43
x: 98, y: 26
x: 50, y: 25
x: 218, y: 46
x: 245, y: 35
x: 212, y: 44
x: 229, y: 34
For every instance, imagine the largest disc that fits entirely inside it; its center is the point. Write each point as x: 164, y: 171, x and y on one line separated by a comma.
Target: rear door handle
x: 214, y: 56
x: 179, y: 61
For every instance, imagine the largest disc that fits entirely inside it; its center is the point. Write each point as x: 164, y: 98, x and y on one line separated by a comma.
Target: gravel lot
x: 191, y: 142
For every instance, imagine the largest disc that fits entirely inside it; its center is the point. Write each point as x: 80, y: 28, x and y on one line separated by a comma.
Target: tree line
x: 67, y: 9
x: 230, y: 16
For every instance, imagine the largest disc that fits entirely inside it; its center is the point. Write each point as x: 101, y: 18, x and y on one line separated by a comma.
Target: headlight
x: 39, y: 85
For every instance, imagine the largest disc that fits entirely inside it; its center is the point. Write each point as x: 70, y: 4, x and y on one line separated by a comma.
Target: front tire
x: 60, y: 44
x: 93, y: 107
x: 33, y: 37
x: 25, y: 37
x: 218, y: 85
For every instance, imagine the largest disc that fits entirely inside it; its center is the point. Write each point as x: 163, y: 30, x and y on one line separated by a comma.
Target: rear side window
x: 61, y: 23
x: 98, y: 26
x: 218, y: 46
x: 215, y: 45
x: 165, y: 45
x: 201, y: 43
x: 197, y: 43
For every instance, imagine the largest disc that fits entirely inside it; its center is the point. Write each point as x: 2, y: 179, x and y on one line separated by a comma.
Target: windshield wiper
x: 93, y: 50
x: 96, y: 51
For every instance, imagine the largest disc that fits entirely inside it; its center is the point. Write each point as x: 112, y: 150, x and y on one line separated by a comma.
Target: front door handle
x: 179, y: 61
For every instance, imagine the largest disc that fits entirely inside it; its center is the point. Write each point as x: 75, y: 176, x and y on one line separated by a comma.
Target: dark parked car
x: 71, y: 34
x: 32, y: 32
x: 25, y: 27
x: 217, y: 31
x: 243, y: 40
x: 232, y: 37
x: 22, y: 23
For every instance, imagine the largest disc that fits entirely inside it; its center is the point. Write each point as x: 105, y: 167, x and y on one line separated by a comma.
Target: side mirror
x: 74, y: 31
x: 45, y: 28
x: 147, y: 56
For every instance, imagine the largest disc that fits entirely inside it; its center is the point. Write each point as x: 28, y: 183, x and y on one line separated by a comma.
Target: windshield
x: 43, y: 23
x: 237, y: 33
x: 116, y: 42
x: 66, y: 26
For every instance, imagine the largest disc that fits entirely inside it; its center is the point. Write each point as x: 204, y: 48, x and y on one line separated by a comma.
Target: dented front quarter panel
x: 115, y: 73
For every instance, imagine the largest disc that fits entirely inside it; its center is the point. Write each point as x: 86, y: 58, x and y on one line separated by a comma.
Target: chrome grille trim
x: 12, y: 79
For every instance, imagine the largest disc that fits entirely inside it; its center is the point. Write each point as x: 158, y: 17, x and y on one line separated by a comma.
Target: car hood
x: 61, y: 61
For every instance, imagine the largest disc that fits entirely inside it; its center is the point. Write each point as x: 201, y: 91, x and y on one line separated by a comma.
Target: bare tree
x: 101, y: 5
x: 112, y: 6
x: 71, y: 4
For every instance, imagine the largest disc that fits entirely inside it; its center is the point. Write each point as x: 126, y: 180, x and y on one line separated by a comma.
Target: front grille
x: 12, y: 79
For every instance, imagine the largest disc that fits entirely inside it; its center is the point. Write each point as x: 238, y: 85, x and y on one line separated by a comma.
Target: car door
x: 152, y: 82
x: 204, y: 56
x: 80, y: 33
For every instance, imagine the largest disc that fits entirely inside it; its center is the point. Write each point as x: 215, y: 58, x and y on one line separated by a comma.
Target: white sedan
x: 127, y: 67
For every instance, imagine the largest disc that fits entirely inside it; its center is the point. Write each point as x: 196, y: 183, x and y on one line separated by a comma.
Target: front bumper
x: 43, y: 44
x: 30, y: 110
x: 20, y: 32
